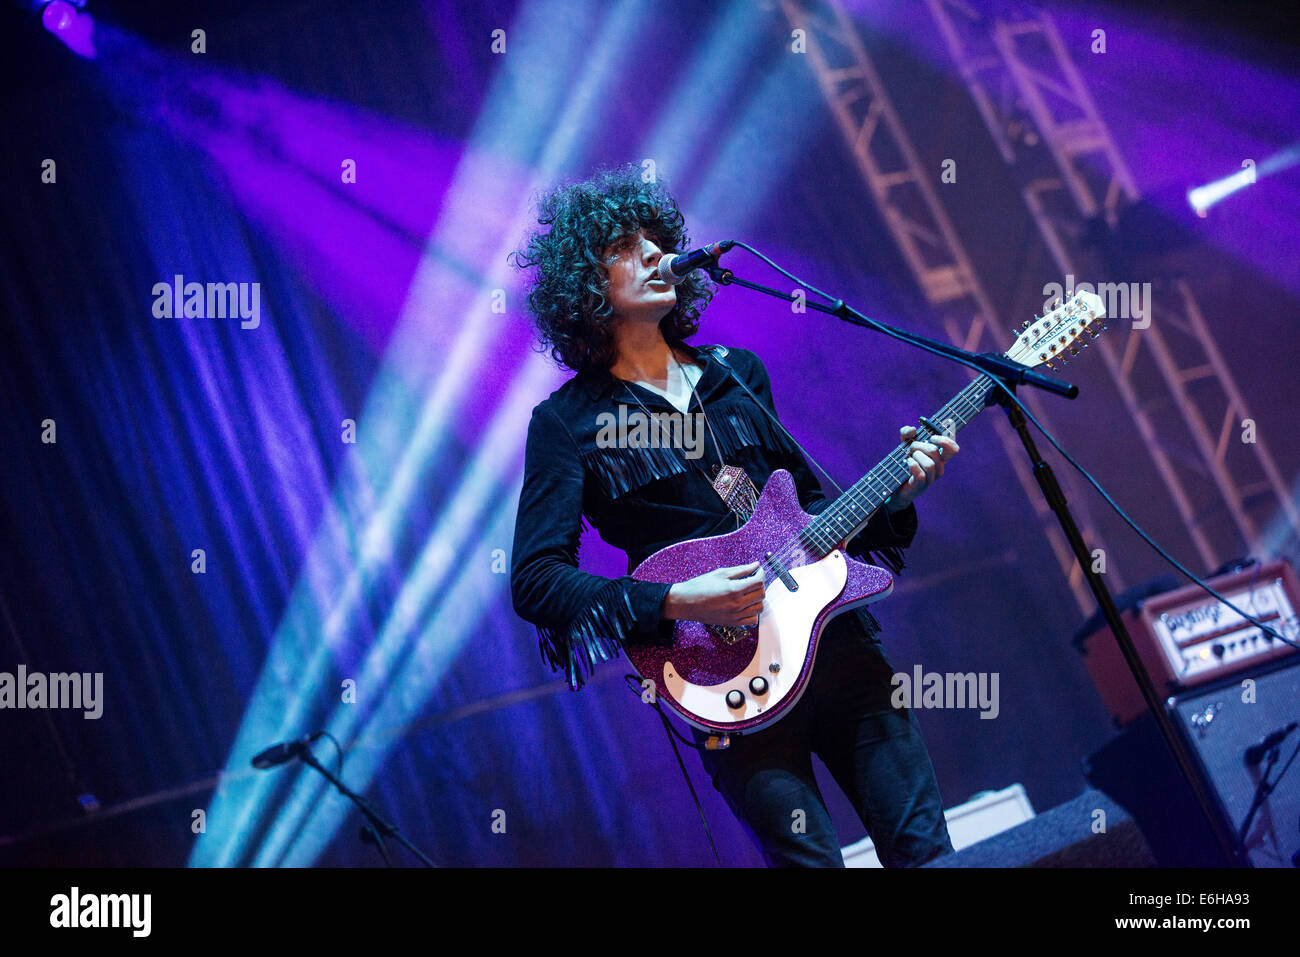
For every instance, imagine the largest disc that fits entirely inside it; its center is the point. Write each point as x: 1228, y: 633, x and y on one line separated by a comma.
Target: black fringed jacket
x: 643, y: 499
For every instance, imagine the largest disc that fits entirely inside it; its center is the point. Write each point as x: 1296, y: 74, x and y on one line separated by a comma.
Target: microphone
x: 673, y: 269
x: 284, y: 751
x: 1255, y: 753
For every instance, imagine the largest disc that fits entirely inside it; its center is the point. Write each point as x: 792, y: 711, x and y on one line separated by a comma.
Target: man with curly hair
x: 601, y: 308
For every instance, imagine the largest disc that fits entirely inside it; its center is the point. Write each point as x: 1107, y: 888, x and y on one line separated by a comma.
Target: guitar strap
x: 737, y: 490
x: 718, y: 354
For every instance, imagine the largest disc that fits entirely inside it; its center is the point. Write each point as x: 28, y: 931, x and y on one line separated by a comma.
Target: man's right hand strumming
x: 726, y: 596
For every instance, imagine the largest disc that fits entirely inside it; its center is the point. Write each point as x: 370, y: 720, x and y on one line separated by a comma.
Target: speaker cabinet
x: 1222, y: 724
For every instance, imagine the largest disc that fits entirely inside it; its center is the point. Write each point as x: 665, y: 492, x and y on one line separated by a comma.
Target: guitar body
x: 769, y: 664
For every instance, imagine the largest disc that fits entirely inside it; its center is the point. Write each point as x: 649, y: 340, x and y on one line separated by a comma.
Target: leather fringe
x: 620, y: 470
x: 596, y: 635
x: 742, y: 426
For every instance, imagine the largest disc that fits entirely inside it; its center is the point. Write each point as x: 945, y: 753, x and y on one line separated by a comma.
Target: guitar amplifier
x: 1230, y: 727
x: 1186, y: 637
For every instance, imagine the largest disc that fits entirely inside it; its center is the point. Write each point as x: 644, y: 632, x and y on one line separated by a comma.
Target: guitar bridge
x: 729, y: 634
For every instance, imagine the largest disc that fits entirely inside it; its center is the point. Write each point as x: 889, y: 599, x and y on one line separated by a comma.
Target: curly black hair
x: 567, y: 295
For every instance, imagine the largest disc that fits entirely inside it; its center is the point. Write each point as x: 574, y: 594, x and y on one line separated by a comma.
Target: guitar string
x: 969, y: 405
x: 852, y: 496
x: 829, y: 528
x: 829, y: 524
x: 819, y: 534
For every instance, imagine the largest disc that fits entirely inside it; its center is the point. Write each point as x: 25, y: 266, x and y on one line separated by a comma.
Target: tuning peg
x: 1050, y: 366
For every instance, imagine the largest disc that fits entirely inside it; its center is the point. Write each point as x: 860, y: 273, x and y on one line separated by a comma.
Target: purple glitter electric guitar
x: 732, y: 680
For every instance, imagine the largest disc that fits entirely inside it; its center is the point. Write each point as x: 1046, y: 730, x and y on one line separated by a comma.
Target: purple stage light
x: 74, y: 28
x: 58, y: 16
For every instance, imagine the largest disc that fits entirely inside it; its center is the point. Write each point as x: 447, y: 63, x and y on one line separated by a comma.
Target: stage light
x: 58, y: 16
x: 1203, y: 197
x: 67, y: 20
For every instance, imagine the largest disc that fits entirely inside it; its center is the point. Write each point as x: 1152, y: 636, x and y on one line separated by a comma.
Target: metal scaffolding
x: 1046, y: 125
x: 906, y: 197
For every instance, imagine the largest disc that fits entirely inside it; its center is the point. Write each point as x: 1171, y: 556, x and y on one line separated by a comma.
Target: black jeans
x: 874, y: 751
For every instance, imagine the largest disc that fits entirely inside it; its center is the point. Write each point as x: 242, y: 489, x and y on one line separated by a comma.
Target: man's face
x: 635, y: 292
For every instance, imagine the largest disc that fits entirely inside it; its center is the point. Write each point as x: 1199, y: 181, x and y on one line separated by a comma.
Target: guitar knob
x: 735, y: 699
x: 758, y: 685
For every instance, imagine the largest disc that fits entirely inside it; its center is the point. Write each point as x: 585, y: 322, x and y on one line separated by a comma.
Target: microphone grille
x: 665, y: 270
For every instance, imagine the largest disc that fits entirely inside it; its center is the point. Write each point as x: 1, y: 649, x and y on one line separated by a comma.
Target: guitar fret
x: 854, y: 507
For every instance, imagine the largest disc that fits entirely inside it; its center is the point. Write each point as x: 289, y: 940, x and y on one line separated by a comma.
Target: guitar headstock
x: 1053, y: 338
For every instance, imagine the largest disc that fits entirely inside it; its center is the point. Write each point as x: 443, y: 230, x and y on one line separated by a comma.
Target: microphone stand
x: 375, y: 827
x: 1012, y: 373
x: 1264, y: 788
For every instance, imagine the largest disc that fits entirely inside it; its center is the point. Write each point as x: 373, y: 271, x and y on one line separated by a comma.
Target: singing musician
x: 603, y: 313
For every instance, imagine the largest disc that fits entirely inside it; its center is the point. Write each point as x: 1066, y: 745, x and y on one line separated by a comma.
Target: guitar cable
x: 634, y: 685
x: 872, y: 323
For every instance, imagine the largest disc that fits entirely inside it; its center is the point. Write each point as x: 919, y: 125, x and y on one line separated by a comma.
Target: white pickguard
x: 784, y: 631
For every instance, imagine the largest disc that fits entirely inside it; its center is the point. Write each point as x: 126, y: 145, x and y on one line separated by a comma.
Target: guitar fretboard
x: 846, y: 516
